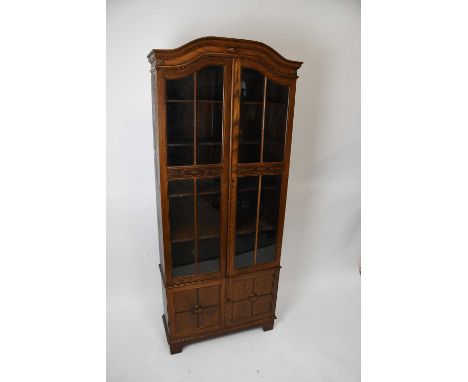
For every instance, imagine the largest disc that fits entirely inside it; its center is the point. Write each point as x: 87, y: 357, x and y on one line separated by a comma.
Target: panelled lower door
x: 251, y: 297
x: 194, y: 147
x: 258, y: 180
x: 196, y: 309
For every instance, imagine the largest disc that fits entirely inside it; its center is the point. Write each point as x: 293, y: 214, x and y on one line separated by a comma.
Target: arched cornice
x: 193, y: 51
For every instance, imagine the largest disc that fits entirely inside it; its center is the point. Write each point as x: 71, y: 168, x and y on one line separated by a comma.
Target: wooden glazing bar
x: 195, y: 118
x: 263, y: 118
x: 195, y: 218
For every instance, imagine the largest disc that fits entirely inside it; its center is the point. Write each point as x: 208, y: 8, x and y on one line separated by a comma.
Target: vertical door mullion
x: 195, y: 118
x: 195, y: 218
x: 234, y: 146
x: 225, y: 160
x: 195, y: 226
x: 257, y: 222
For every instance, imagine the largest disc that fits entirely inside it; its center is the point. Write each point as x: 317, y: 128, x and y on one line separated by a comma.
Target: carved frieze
x: 260, y: 168
x: 193, y: 171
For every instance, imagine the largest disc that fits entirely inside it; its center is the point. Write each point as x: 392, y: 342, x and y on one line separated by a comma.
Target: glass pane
x: 208, y: 255
x: 181, y: 89
x: 179, y: 121
x: 277, y: 93
x: 250, y: 125
x: 246, y: 214
x: 183, y: 258
x: 209, y: 132
x: 210, y: 83
x: 180, y: 188
x: 208, y: 224
x: 268, y: 225
x: 251, y: 85
x: 275, y: 122
x: 180, y: 155
x: 181, y: 217
x: 209, y: 114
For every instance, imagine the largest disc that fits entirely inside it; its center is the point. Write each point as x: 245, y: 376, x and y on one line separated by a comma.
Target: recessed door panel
x: 209, y: 296
x: 209, y: 317
x: 185, y: 321
x: 241, y: 311
x: 185, y: 300
x: 241, y: 289
x: 261, y: 305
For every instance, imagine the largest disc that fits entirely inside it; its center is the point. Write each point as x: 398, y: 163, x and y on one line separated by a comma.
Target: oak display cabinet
x: 223, y: 116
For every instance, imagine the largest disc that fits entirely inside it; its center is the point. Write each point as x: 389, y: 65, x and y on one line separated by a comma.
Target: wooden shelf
x: 191, y: 144
x: 270, y: 188
x: 182, y: 194
x: 245, y: 228
x: 210, y: 232
x: 191, y: 101
x: 214, y: 192
x: 258, y: 142
x: 187, y: 234
x: 261, y: 103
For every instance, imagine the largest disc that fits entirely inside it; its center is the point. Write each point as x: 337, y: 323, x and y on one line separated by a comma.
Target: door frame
x: 167, y: 173
x: 263, y: 168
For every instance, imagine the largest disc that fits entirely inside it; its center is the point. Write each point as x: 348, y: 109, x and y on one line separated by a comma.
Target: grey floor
x: 316, y: 338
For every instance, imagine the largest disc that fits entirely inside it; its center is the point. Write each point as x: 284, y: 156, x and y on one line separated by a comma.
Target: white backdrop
x: 317, y: 334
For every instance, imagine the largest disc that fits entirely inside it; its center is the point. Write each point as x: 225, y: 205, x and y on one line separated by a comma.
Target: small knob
x: 196, y: 309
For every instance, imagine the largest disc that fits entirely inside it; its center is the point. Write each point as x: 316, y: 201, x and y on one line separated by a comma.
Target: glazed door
x: 261, y: 107
x: 195, y: 165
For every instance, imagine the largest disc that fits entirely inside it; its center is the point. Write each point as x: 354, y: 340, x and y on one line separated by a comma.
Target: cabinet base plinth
x: 176, y: 345
x: 268, y: 326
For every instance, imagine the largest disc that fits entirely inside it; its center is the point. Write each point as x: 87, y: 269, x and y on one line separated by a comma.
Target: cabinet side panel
x: 165, y: 307
x: 157, y: 168
x: 287, y: 158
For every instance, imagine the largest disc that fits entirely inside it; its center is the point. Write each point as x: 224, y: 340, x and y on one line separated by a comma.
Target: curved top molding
x: 222, y: 47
